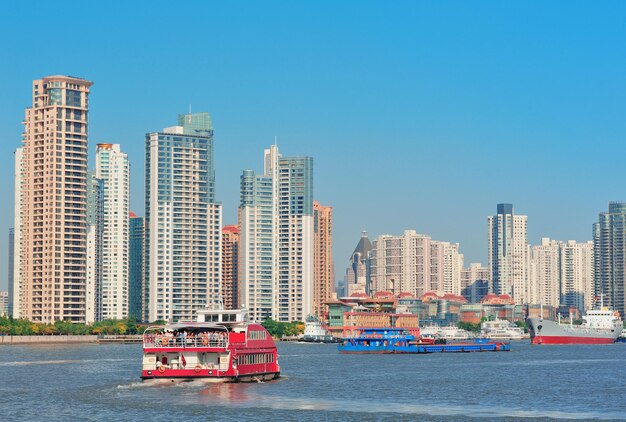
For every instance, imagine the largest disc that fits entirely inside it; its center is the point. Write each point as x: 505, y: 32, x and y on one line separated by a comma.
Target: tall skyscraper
x: 508, y: 253
x: 136, y: 279
x: 11, y: 271
x: 230, y: 267
x: 358, y: 272
x: 276, y: 221
x: 416, y: 264
x: 51, y: 203
x: 609, y: 241
x: 95, y: 231
x: 183, y: 221
x: 323, y: 273
x: 113, y: 168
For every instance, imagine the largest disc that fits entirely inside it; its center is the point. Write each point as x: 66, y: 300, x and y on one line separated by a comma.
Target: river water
x: 101, y: 382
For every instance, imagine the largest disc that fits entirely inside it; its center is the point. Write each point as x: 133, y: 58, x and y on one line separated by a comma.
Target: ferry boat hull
x: 544, y: 331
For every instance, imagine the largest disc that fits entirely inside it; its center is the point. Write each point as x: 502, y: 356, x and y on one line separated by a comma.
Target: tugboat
x: 500, y: 329
x: 222, y: 345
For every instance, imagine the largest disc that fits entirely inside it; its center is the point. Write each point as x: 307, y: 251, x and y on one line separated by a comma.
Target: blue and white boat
x: 400, y: 340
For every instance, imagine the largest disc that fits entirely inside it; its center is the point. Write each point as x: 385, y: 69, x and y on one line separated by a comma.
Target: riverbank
x: 68, y: 339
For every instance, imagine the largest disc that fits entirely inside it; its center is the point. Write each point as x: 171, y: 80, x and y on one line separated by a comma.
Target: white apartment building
x: 95, y: 230
x: 562, y: 273
x: 577, y: 274
x: 545, y: 279
x: 183, y: 221
x: 113, y: 168
x: 415, y: 263
x: 508, y: 253
x: 276, y: 222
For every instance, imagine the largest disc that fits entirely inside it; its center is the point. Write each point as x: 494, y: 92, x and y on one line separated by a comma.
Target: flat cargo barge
x: 400, y: 341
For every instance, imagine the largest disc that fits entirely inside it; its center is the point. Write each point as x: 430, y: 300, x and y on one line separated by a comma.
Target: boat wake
x: 40, y: 362
x: 59, y: 362
x: 368, y: 407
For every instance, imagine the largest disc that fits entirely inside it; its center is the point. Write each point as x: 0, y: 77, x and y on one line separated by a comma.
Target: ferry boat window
x: 256, y: 335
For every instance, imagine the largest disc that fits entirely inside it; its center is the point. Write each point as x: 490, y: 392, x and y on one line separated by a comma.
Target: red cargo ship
x: 221, y: 346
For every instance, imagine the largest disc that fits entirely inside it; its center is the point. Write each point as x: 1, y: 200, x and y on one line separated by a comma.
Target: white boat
x: 315, y: 332
x: 449, y: 332
x: 500, y: 329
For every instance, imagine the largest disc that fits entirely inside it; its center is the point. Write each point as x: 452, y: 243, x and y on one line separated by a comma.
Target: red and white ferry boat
x: 222, y: 346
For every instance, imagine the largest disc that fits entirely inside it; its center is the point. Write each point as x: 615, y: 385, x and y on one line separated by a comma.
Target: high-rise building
x: 136, y: 279
x: 323, y: 273
x: 577, y: 274
x: 15, y: 283
x: 11, y: 271
x: 113, y: 168
x: 183, y: 221
x: 95, y: 231
x: 508, y: 253
x: 276, y: 222
x: 446, y: 265
x: 475, y: 282
x: 51, y: 203
x: 561, y: 273
x: 258, y: 270
x: 545, y: 278
x: 609, y: 241
x: 230, y: 266
x: 416, y: 264
x: 358, y: 272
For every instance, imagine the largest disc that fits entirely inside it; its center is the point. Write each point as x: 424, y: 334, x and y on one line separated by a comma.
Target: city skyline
x: 399, y: 143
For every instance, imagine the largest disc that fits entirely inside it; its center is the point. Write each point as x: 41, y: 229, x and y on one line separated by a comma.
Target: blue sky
x: 419, y: 115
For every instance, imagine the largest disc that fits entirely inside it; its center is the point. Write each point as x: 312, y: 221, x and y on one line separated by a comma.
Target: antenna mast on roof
x: 189, y: 118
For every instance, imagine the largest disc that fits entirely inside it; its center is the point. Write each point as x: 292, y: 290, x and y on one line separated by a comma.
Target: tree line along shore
x: 127, y: 326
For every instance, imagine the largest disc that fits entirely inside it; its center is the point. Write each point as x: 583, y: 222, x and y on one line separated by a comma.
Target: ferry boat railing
x: 206, y: 339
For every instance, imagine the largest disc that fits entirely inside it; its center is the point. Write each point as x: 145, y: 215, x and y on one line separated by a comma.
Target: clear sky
x: 419, y: 115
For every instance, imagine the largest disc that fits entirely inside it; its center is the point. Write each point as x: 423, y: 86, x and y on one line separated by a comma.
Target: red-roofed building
x: 493, y: 299
x: 383, y: 294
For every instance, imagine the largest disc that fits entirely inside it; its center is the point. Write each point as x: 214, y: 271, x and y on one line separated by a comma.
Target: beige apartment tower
x: 51, y: 203
x: 230, y: 267
x: 323, y: 275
